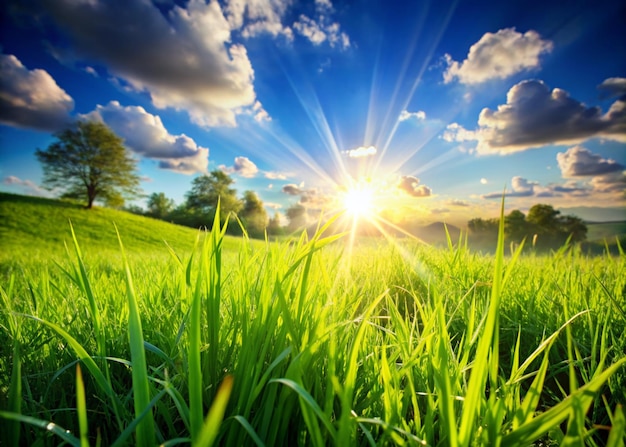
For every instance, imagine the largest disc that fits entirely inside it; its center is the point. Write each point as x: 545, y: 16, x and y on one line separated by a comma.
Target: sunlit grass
x: 280, y: 344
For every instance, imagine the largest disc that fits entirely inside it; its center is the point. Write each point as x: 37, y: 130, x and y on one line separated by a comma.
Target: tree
x: 515, y: 225
x: 544, y: 218
x: 205, y: 192
x: 89, y: 160
x: 273, y: 227
x: 159, y: 205
x: 574, y: 226
x: 296, y: 214
x: 253, y: 214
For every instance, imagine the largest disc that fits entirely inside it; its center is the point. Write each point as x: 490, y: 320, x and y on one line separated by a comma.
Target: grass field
x: 211, y: 340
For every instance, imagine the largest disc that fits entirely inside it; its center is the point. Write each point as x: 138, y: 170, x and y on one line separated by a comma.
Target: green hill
x: 32, y: 226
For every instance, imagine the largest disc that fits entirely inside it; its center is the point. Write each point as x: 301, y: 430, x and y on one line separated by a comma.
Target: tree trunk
x: 91, y: 196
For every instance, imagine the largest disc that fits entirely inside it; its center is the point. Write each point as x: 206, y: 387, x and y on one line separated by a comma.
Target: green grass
x: 296, y: 343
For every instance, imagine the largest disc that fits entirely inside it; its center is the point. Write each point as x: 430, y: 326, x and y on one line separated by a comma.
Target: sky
x: 436, y: 107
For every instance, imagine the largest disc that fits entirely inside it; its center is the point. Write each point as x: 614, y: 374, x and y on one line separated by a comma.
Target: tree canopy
x: 90, y: 161
x: 253, y: 214
x: 205, y: 193
x: 159, y: 205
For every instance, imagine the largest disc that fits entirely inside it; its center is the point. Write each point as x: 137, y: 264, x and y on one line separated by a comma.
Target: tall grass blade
x: 618, y: 430
x: 141, y: 387
x: 542, y: 424
x: 307, y: 400
x: 81, y: 408
x: 211, y: 426
x: 11, y: 434
x: 122, y: 439
x: 476, y: 386
x: 82, y: 354
x: 65, y: 435
x: 250, y: 430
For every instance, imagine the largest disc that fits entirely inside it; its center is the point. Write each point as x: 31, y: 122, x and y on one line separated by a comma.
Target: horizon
x: 437, y: 108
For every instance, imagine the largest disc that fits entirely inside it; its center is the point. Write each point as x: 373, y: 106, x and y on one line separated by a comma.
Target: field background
x: 205, y: 338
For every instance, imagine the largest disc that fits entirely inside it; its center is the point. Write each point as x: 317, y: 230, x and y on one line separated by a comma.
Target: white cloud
x: 183, y: 58
x: 420, y: 115
x: 456, y: 132
x: 26, y: 186
x: 260, y: 114
x: 145, y: 134
x: 498, y: 56
x: 320, y: 30
x: 292, y: 189
x: 578, y: 161
x: 244, y: 167
x: 608, y: 187
x: 410, y: 185
x: 272, y: 205
x: 255, y: 17
x: 534, y: 116
x: 458, y: 202
x: 614, y: 87
x: 275, y: 175
x: 31, y: 98
x: 610, y: 183
x: 484, y: 181
x: 361, y: 152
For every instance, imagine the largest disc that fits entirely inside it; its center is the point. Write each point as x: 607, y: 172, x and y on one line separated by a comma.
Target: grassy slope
x: 33, y: 225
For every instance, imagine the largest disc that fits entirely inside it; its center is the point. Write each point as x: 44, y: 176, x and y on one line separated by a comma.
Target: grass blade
x: 211, y: 426
x: 81, y: 407
x: 46, y: 425
x: 141, y: 388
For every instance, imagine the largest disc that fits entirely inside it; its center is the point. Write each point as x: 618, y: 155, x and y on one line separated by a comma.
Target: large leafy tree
x: 205, y: 192
x: 253, y: 214
x: 90, y: 161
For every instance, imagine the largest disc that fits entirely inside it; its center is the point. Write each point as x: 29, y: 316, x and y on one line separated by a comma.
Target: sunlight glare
x: 359, y: 201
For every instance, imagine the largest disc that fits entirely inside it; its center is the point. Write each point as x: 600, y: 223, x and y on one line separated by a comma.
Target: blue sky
x: 437, y: 107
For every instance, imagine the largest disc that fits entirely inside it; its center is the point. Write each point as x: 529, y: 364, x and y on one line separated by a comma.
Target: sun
x: 359, y: 201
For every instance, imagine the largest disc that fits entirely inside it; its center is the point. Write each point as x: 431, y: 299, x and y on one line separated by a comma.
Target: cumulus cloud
x: 316, y: 200
x: 321, y: 30
x: 609, y: 183
x: 27, y: 186
x: 534, y: 116
x: 598, y: 188
x: 292, y: 189
x: 243, y: 166
x: 145, y: 134
x: 410, y: 185
x: 183, y: 57
x: 578, y: 161
x: 498, y: 56
x: 255, y: 17
x: 362, y: 151
x: 420, y: 115
x: 275, y: 175
x: 31, y: 98
x: 614, y: 88
x: 520, y: 187
x: 456, y: 132
x: 457, y: 202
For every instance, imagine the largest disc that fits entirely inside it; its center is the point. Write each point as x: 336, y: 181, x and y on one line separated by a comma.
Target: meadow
x: 144, y: 333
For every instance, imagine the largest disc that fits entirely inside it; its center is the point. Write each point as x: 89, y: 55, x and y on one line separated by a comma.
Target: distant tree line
x: 542, y: 228
x: 200, y: 204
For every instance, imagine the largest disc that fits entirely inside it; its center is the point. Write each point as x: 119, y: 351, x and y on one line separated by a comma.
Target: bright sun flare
x: 359, y: 202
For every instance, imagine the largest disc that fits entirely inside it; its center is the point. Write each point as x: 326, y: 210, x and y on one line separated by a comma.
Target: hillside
x: 32, y: 225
